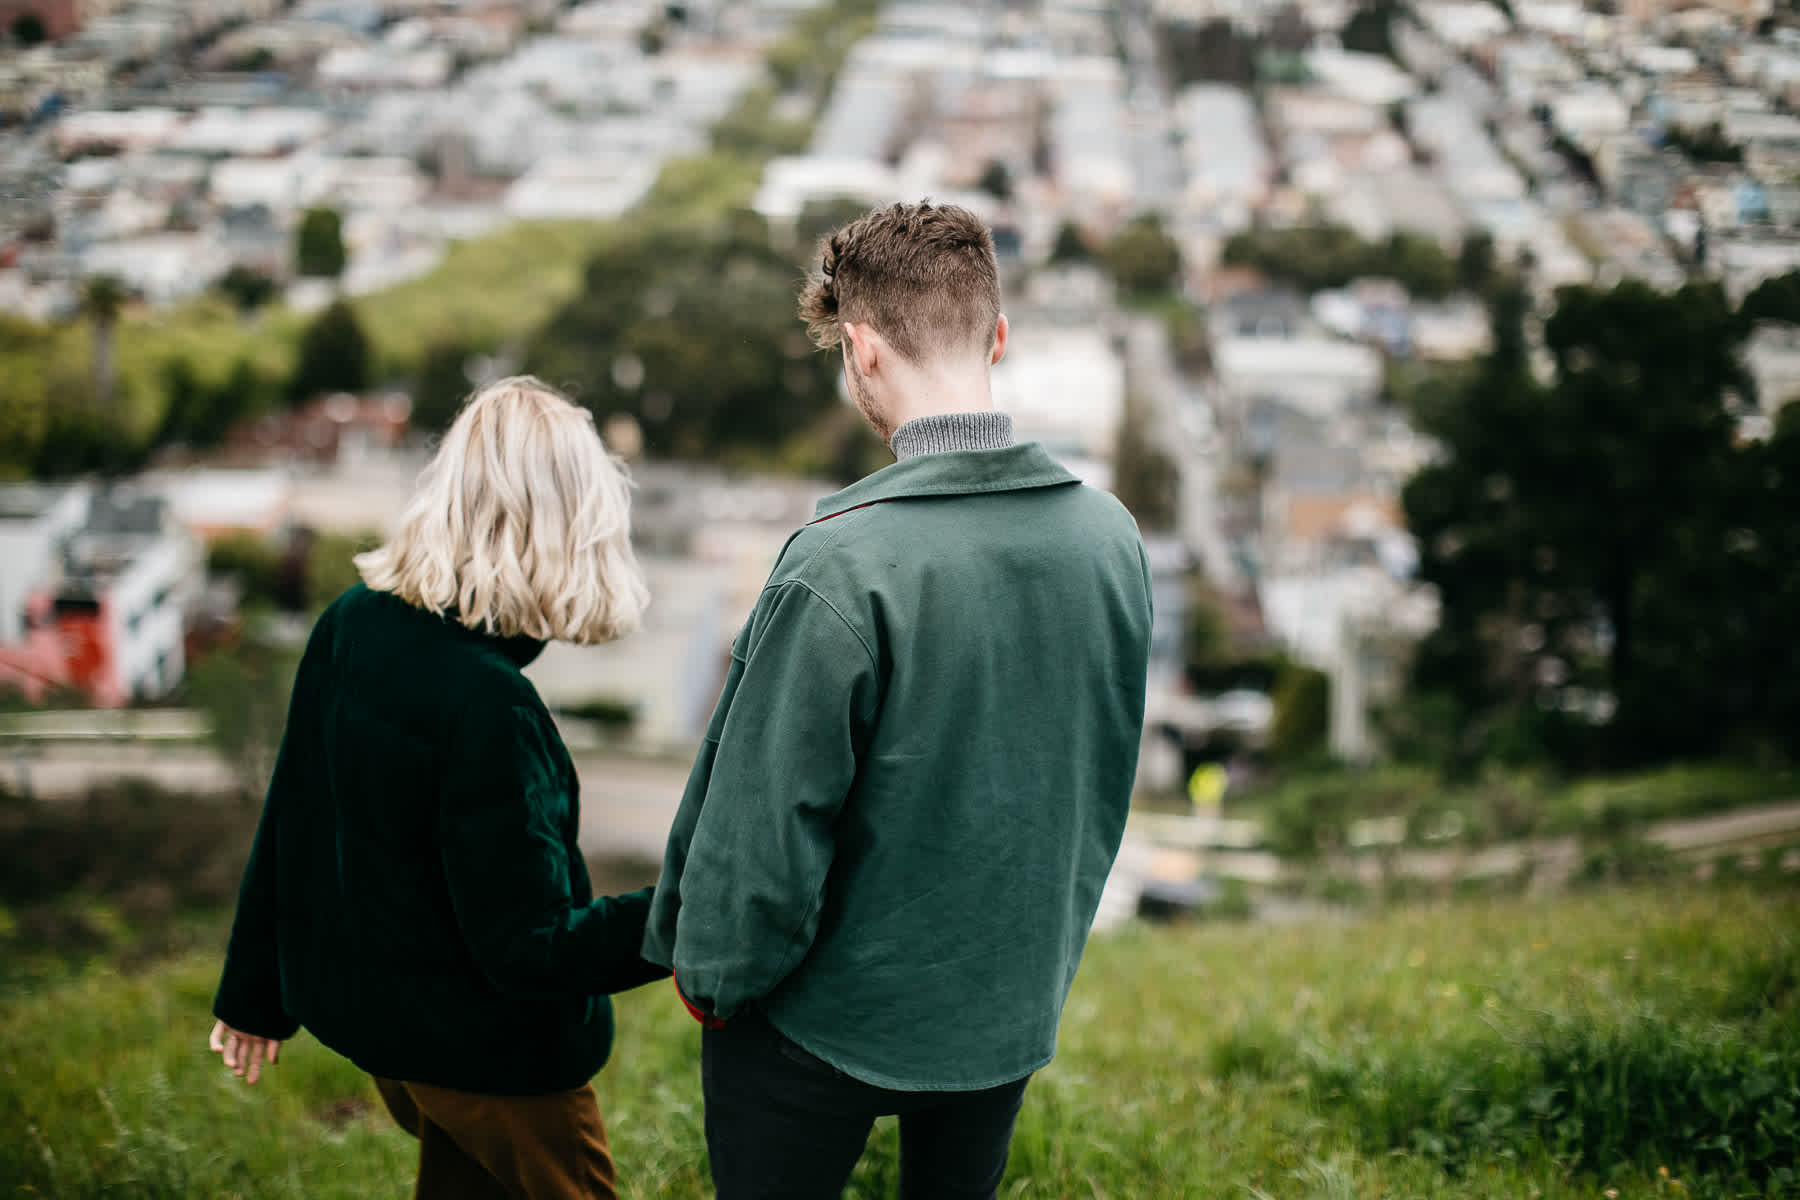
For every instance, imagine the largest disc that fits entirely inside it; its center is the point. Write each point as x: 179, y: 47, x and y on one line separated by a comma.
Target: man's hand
x: 244, y: 1053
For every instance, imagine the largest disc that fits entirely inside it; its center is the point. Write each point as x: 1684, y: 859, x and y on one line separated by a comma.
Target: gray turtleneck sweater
x: 986, y: 430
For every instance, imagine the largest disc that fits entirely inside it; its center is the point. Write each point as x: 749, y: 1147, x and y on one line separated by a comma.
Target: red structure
x: 66, y: 646
x: 57, y: 18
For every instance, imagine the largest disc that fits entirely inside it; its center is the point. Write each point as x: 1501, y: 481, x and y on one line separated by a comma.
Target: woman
x: 415, y: 896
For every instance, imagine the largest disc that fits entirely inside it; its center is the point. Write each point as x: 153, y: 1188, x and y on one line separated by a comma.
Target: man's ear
x: 999, y: 351
x: 862, y: 343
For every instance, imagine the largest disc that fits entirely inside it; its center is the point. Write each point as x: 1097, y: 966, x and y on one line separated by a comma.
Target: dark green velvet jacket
x: 415, y: 897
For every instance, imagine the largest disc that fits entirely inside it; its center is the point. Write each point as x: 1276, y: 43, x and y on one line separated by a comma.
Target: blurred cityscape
x: 252, y: 252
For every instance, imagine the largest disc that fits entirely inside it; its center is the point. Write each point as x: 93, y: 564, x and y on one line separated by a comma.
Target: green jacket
x: 415, y: 896
x: 913, y: 787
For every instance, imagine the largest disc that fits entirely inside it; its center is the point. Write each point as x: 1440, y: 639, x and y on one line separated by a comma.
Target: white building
x: 1316, y: 375
x: 163, y: 267
x: 1064, y: 386
x: 248, y: 132
x: 1465, y: 25
x: 96, y: 586
x: 579, y: 187
x: 34, y: 522
x: 1228, y: 164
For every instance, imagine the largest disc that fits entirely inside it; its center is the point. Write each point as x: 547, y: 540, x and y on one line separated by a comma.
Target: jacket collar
x: 952, y: 473
x: 519, y: 648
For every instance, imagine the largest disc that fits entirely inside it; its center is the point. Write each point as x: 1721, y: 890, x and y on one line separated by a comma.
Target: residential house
x: 1772, y: 356
x: 1320, y: 376
x: 1229, y: 167
x: 104, y: 611
x: 1063, y: 384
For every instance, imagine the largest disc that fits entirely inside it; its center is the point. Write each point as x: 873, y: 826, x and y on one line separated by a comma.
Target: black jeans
x: 782, y: 1124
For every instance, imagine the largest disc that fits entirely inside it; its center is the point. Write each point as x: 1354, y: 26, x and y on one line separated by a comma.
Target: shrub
x: 1719, y: 1101
x: 610, y: 713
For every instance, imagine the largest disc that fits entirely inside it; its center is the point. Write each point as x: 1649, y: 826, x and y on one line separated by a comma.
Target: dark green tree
x: 247, y: 288
x: 1145, y: 479
x: 102, y: 299
x: 1214, y: 52
x: 24, y: 391
x: 441, y: 388
x: 1417, y: 263
x: 693, y: 333
x: 1776, y: 299
x: 1562, y: 521
x: 996, y: 180
x: 1302, y: 701
x: 29, y: 30
x: 319, y: 244
x: 1475, y: 261
x: 1370, y: 28
x: 823, y: 216
x: 1707, y: 144
x: 1143, y: 259
x: 1330, y: 256
x: 334, y: 355
x: 199, y: 414
x: 1070, y: 246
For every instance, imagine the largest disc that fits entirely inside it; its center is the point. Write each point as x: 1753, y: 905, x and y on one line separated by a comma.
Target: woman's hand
x: 244, y: 1053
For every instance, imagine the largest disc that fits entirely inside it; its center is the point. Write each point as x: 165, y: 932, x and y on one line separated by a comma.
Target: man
x: 892, y: 844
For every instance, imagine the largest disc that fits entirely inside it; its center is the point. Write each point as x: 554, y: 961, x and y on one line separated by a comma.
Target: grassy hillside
x: 1637, y: 1042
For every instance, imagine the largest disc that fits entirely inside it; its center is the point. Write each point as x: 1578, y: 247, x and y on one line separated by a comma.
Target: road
x: 1182, y: 421
x: 1155, y: 158
x: 1184, y: 848
x: 627, y: 801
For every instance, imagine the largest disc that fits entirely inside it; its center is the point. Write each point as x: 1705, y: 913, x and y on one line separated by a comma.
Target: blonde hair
x: 520, y: 524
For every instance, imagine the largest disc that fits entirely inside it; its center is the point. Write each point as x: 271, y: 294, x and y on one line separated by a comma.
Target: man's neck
x: 939, y: 388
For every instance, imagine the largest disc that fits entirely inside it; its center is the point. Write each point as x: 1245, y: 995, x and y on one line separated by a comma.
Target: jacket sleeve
x: 249, y: 995
x: 507, y: 864
x: 752, y: 841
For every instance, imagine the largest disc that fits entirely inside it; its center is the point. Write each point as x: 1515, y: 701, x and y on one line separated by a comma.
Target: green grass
x: 1519, y: 1048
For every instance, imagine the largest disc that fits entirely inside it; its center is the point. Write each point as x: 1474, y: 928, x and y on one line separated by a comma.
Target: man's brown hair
x: 923, y: 275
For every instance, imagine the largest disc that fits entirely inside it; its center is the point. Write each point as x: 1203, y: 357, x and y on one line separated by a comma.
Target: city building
x: 95, y: 587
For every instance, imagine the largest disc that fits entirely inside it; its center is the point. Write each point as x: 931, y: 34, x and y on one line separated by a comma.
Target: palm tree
x: 102, y: 297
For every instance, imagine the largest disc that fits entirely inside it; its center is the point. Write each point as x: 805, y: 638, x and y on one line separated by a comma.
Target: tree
x: 1142, y: 258
x: 247, y: 288
x: 1776, y: 299
x: 691, y: 332
x: 822, y: 216
x: 1707, y: 144
x: 29, y: 30
x: 24, y: 392
x: 201, y: 414
x: 1070, y: 246
x: 1145, y: 479
x: 996, y: 180
x: 334, y: 355
x: 1370, y: 28
x: 1330, y: 256
x: 1302, y: 703
x: 1475, y: 261
x: 1418, y: 263
x: 1215, y: 52
x: 319, y: 244
x: 102, y: 299
x: 1569, y: 528
x: 1287, y: 31
x: 441, y: 388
